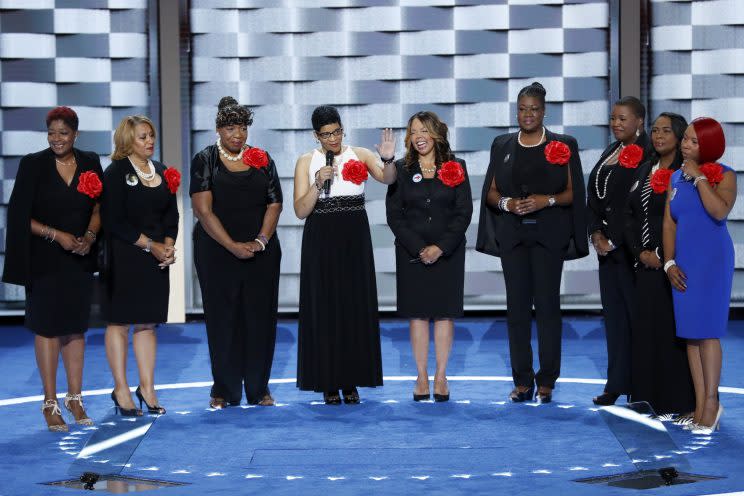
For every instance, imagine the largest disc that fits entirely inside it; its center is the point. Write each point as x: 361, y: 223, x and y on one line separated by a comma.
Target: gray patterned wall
x: 91, y: 55
x: 380, y: 61
x: 697, y: 50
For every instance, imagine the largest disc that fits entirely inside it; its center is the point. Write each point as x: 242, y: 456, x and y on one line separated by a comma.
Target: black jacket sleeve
x: 634, y: 214
x: 274, y: 192
x: 17, y: 268
x: 114, y: 204
x: 579, y: 244
x: 463, y: 213
x: 170, y: 217
x: 395, y: 207
x: 201, y: 171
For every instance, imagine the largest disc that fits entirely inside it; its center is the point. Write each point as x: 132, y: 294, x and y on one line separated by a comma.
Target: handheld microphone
x: 327, y: 182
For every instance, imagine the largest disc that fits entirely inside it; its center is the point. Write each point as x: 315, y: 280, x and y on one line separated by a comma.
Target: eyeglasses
x: 337, y: 133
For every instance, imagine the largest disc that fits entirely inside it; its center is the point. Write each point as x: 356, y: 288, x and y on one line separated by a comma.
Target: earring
x: 638, y: 132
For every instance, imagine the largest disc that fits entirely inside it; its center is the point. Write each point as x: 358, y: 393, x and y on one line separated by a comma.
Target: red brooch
x: 255, y: 157
x: 354, y: 171
x: 557, y: 153
x: 451, y: 173
x: 90, y: 184
x: 172, y: 179
x: 631, y: 156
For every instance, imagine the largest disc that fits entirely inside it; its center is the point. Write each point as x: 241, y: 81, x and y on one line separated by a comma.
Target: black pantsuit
x: 608, y: 189
x: 533, y: 248
x: 240, y: 297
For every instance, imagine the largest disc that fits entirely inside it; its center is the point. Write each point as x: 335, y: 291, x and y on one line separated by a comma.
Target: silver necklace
x: 145, y: 176
x: 519, y: 139
x: 232, y: 158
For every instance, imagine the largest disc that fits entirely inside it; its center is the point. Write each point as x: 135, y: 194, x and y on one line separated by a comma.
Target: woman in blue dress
x: 699, y: 258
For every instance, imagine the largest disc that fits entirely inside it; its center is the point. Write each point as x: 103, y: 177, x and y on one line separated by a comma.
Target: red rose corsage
x: 713, y: 171
x: 660, y: 180
x: 90, y: 184
x: 354, y: 171
x: 255, y: 157
x: 557, y: 153
x: 451, y: 173
x: 631, y: 156
x: 172, y: 179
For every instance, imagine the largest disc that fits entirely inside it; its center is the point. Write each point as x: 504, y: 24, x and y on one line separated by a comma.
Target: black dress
x: 608, y: 189
x: 58, y: 283
x: 338, y: 326
x: 240, y: 297
x: 136, y: 287
x: 660, y: 372
x: 533, y: 247
x: 423, y: 212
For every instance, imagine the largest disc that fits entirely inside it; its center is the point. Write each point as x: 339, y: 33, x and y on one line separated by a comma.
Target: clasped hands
x: 525, y: 206
x: 245, y: 249
x: 163, y: 253
x: 430, y: 254
x: 601, y: 244
x: 79, y: 245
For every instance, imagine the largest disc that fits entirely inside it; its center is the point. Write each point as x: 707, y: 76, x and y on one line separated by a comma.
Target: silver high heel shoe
x: 707, y: 431
x: 79, y: 398
x: 52, y: 404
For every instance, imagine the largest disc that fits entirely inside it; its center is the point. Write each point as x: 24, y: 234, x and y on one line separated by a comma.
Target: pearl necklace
x: 232, y: 158
x: 519, y: 139
x: 145, y: 176
x: 603, y: 194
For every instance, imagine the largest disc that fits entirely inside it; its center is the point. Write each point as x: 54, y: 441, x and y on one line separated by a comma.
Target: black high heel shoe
x: 157, y: 409
x: 125, y: 412
x: 351, y: 396
x: 544, y: 395
x: 331, y: 398
x: 605, y: 399
x: 518, y: 396
x: 421, y: 397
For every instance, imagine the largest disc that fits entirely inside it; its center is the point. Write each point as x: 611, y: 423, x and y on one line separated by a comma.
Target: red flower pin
x: 557, y: 152
x: 255, y: 157
x: 713, y: 171
x: 354, y: 171
x: 90, y: 184
x: 451, y: 173
x: 660, y: 180
x: 172, y: 179
x: 631, y: 156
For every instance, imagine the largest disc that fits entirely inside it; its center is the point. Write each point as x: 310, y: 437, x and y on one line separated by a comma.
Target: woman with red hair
x: 53, y: 222
x: 699, y: 260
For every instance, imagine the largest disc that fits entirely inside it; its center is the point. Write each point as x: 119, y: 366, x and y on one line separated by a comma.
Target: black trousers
x: 617, y: 289
x: 532, y: 274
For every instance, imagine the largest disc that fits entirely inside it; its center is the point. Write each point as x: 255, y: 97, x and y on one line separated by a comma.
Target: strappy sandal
x: 217, y: 403
x: 331, y: 398
x: 351, y: 396
x: 84, y: 420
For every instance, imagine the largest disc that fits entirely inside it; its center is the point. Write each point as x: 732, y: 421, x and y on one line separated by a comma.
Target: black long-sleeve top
x: 130, y: 208
x: 423, y: 212
x: 607, y: 215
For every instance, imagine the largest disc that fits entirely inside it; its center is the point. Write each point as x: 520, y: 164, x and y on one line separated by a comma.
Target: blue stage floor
x: 478, y: 443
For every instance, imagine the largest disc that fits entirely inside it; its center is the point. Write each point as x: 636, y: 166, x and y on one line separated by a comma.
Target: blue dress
x: 705, y: 253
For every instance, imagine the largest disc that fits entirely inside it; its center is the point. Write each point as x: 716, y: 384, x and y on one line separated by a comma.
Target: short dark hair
x: 633, y: 104
x: 64, y: 114
x: 324, y: 115
x: 535, y: 90
x: 231, y: 113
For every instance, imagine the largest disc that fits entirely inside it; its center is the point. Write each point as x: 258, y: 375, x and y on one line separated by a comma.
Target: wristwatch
x: 551, y: 201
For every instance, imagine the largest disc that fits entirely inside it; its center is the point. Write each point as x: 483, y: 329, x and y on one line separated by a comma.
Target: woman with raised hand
x: 533, y: 217
x: 140, y: 218
x: 608, y: 189
x: 339, y: 330
x: 52, y: 224
x: 699, y: 260
x: 659, y: 371
x: 237, y: 198
x: 429, y: 209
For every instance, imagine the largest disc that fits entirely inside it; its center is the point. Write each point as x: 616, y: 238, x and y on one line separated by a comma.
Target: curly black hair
x: 231, y: 113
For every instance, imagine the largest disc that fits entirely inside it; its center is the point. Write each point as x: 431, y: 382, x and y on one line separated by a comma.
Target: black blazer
x: 497, y: 230
x: 428, y: 212
x: 17, y: 268
x: 636, y: 213
x: 608, y: 215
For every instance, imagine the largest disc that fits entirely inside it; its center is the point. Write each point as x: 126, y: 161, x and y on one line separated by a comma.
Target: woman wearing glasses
x: 339, y: 332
